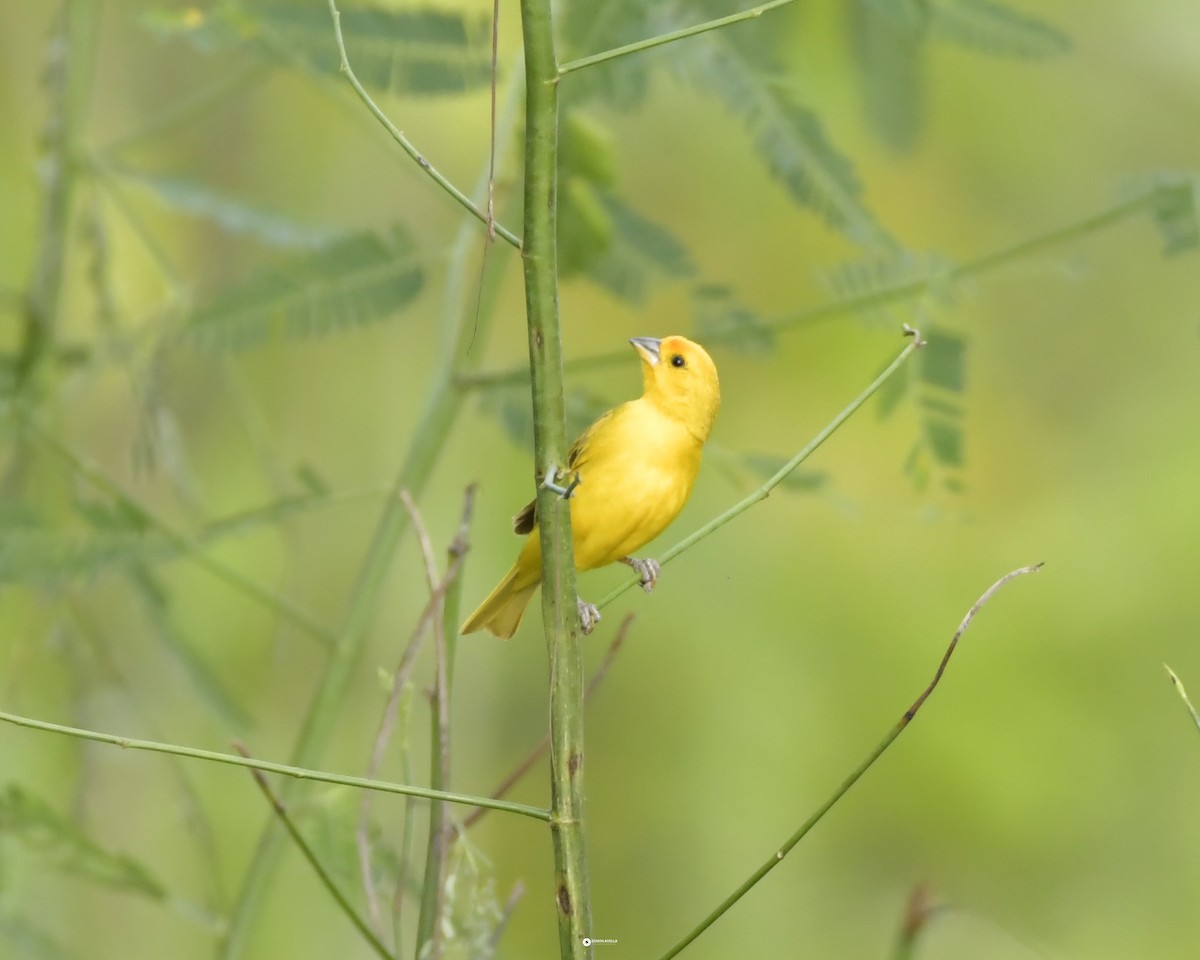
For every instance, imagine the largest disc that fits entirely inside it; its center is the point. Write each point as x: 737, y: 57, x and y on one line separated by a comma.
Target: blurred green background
x: 1047, y: 794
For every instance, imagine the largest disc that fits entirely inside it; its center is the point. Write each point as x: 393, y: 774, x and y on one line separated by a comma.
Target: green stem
x: 650, y: 43
x: 323, y: 875
x: 429, y: 919
x: 295, y: 772
x: 95, y: 475
x: 764, y: 491
x: 69, y: 82
x: 777, y: 857
x: 559, y: 613
x: 405, y: 144
x: 1178, y: 684
x: 443, y: 403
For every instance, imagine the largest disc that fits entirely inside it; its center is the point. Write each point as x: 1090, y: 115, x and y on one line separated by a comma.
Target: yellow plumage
x: 636, y: 464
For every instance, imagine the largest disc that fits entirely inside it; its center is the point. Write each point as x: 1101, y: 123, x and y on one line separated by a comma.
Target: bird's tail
x: 501, y: 612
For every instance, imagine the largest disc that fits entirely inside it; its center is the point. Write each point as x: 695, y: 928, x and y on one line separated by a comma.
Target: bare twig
x: 431, y: 614
x: 322, y: 874
x: 777, y: 857
x: 538, y: 750
x: 518, y: 891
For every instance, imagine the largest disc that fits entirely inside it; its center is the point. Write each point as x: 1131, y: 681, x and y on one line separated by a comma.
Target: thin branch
x: 539, y: 749
x: 429, y: 615
x: 1183, y: 696
x: 298, y: 773
x: 906, y: 718
x: 651, y: 42
x: 518, y: 891
x: 560, y: 618
x: 918, y: 911
x: 314, y: 861
x: 429, y: 919
x: 764, y: 491
x: 405, y: 144
x: 443, y: 402
x: 96, y: 475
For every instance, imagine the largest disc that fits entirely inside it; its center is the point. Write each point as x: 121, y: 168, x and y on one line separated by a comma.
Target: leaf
x: 202, y: 677
x: 592, y: 28
x: 640, y: 252
x: 511, y: 407
x: 1177, y: 214
x: 32, y: 551
x: 233, y: 216
x: 720, y: 316
x: 766, y: 465
x: 23, y: 939
x: 788, y: 137
x: 359, y: 279
x: 945, y: 440
x: 943, y: 360
x: 42, y: 829
x: 995, y: 29
x: 889, y: 48
x: 877, y: 286
x: 429, y: 51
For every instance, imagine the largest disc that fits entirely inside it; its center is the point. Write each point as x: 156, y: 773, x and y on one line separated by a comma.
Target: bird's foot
x: 589, y: 615
x: 552, y: 476
x: 647, y: 570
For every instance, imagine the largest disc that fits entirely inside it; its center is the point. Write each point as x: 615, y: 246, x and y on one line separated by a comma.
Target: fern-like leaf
x: 640, y: 252
x: 996, y: 29
x: 1176, y: 210
x: 232, y: 216
x: 878, y: 287
x: 42, y: 829
x: 889, y: 48
x: 359, y: 279
x: 429, y: 51
x: 788, y: 137
x: 719, y: 316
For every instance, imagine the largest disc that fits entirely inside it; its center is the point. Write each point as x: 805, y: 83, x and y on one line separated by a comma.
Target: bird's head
x: 681, y: 380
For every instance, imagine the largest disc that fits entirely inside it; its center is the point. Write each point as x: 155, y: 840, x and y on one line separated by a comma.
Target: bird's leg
x: 647, y: 570
x: 589, y: 615
x: 552, y: 475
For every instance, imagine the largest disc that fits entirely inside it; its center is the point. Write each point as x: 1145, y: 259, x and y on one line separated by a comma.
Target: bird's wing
x: 577, y: 456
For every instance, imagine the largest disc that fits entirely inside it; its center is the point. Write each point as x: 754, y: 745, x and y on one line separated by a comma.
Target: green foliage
x: 40, y: 828
x: 23, y: 940
x: 427, y: 51
x: 890, y: 40
x: 789, y: 138
x: 600, y: 234
x: 232, y: 216
x: 1176, y: 213
x: 720, y: 316
x: 359, y: 279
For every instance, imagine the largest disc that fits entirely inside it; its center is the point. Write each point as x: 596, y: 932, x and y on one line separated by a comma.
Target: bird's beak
x: 648, y: 347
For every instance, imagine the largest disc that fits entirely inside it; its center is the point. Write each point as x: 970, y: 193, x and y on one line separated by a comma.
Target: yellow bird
x: 633, y: 471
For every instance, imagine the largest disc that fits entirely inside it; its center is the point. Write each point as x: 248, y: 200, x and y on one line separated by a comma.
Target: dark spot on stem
x: 574, y: 763
x: 564, y: 901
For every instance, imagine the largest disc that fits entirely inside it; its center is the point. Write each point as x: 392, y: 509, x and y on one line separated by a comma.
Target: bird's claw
x: 589, y: 615
x: 647, y: 570
x: 552, y: 475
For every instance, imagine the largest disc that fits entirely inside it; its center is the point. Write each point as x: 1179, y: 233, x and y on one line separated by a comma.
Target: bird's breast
x: 636, y: 478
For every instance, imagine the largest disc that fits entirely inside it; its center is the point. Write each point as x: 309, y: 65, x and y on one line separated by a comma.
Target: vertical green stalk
x: 68, y: 81
x: 559, y: 613
x: 442, y: 406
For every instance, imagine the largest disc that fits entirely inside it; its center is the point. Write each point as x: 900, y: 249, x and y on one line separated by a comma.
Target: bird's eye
x: 678, y: 361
